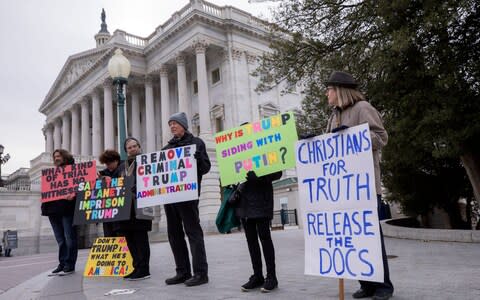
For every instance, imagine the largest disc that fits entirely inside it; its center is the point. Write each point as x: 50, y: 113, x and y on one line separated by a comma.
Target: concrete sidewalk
x: 419, y: 270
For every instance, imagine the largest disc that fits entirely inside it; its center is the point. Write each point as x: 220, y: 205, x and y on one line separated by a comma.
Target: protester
x: 135, y: 230
x: 60, y: 214
x: 351, y: 109
x: 254, y: 207
x: 184, y: 215
x: 111, y: 159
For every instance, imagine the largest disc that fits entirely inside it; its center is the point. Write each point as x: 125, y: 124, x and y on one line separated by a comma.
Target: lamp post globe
x: 119, y: 69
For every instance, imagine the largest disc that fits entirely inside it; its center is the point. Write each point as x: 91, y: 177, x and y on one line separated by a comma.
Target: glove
x: 339, y: 128
x: 306, y: 135
x: 196, y: 155
x: 251, y: 176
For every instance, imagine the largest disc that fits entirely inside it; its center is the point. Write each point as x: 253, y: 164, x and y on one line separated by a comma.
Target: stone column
x: 108, y: 125
x: 203, y: 96
x: 85, y: 149
x: 210, y: 196
x: 57, y: 134
x: 49, y: 135
x: 251, y: 61
x: 165, y: 102
x: 75, y: 130
x: 96, y: 123
x: 136, y: 129
x: 66, y: 131
x: 149, y: 115
x: 182, y: 84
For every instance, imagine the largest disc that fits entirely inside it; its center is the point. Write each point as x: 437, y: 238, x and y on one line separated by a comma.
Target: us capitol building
x: 199, y: 61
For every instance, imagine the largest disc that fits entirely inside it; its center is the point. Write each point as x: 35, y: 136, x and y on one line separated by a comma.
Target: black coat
x: 256, y: 197
x: 61, y: 207
x: 133, y: 224
x: 203, y: 161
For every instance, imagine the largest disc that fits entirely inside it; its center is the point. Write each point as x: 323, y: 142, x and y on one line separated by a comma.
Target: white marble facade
x: 199, y: 61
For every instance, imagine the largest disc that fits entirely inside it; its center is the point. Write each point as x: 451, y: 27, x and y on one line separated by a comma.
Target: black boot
x: 271, y: 283
x: 197, y: 279
x: 254, y: 282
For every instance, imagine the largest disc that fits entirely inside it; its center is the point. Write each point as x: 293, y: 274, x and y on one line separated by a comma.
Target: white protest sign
x: 338, y: 203
x: 167, y: 176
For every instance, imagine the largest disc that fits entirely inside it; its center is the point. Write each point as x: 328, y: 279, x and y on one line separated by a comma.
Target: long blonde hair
x: 347, y: 96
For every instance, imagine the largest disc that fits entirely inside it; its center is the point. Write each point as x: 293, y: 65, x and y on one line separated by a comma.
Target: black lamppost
x: 3, y: 160
x: 119, y: 69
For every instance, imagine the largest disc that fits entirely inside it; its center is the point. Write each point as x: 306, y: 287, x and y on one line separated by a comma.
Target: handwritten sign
x: 265, y: 146
x: 103, y: 200
x: 109, y: 256
x: 167, y: 176
x: 339, y: 205
x: 59, y: 182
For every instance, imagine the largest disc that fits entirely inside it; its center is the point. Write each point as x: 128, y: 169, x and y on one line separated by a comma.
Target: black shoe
x: 197, y: 279
x: 271, y: 283
x: 66, y: 271
x: 56, y: 271
x: 255, y: 281
x: 139, y: 276
x: 382, y: 295
x: 361, y: 293
x: 129, y: 275
x: 179, y: 278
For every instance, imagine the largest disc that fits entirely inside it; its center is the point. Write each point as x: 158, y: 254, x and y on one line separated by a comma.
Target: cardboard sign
x: 59, y: 182
x: 109, y: 256
x: 103, y: 200
x: 338, y: 203
x: 266, y: 146
x: 167, y: 176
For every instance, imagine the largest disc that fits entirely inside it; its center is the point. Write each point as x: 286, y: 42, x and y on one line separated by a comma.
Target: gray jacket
x: 360, y: 113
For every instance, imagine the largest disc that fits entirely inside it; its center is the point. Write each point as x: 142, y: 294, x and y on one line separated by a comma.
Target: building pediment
x: 74, y: 69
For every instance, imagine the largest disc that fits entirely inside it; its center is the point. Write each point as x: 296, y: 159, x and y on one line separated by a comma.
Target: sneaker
x: 197, y: 279
x: 361, y: 293
x: 179, y: 278
x: 66, y: 271
x: 254, y: 282
x: 271, y: 283
x: 136, y: 276
x: 57, y: 271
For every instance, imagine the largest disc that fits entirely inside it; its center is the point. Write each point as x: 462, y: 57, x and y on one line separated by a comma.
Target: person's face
x: 176, y: 129
x: 331, y: 94
x: 111, y: 166
x: 57, y: 159
x: 132, y: 148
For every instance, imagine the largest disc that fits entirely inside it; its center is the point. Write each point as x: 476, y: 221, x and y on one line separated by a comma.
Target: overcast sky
x: 37, y: 37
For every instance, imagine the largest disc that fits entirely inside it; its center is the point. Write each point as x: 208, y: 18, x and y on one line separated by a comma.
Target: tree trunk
x: 471, y: 163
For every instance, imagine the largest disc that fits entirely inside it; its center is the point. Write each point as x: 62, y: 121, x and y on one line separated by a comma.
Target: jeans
x: 260, y: 228
x: 185, y: 215
x: 66, y: 236
x: 386, y: 285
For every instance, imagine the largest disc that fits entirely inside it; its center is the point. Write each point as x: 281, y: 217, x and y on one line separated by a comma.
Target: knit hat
x: 130, y: 138
x: 342, y: 79
x: 180, y: 118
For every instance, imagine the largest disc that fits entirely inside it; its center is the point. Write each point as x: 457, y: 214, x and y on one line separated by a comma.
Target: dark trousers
x: 108, y: 229
x: 255, y: 229
x: 184, y: 216
x: 386, y: 285
x: 137, y: 242
x: 66, y: 236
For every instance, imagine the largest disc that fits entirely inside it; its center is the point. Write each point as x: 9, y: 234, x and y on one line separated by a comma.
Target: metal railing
x: 284, y: 217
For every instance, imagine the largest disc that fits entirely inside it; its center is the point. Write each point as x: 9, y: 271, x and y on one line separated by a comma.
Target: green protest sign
x: 265, y: 146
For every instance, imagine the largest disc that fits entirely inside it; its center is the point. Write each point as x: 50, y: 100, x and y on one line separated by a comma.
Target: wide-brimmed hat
x: 339, y: 78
